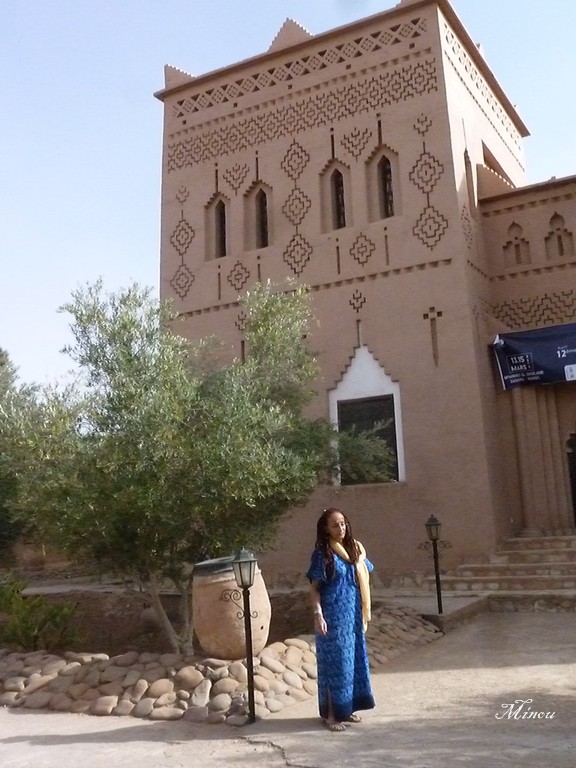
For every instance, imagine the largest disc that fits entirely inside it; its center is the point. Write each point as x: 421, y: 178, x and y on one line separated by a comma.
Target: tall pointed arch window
x: 220, y: 240
x: 338, y: 199
x: 261, y: 214
x: 385, y: 189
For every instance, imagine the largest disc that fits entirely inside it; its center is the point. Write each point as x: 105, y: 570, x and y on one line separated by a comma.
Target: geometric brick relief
x: 241, y: 320
x: 238, y: 276
x: 182, y: 280
x: 182, y: 236
x: 516, y: 249
x: 423, y: 124
x: 549, y: 308
x: 235, y: 176
x: 296, y: 206
x: 357, y: 300
x: 356, y: 141
x: 432, y: 316
x: 362, y: 249
x: 360, y: 96
x: 426, y: 172
x: 325, y: 58
x: 297, y: 253
x: 481, y: 92
x: 467, y: 226
x: 295, y: 160
x: 430, y: 226
x: 559, y: 241
x: 182, y: 195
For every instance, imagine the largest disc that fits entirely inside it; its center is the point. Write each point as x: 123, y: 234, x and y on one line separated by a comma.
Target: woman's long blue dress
x: 343, y: 671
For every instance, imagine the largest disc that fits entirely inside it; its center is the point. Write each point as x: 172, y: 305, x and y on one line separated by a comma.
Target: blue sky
x: 80, y: 136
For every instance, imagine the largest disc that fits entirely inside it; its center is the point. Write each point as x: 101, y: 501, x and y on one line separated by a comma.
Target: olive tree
x: 160, y: 455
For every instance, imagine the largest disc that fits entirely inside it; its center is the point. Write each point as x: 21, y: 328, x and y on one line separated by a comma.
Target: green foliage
x: 165, y: 454
x: 32, y: 623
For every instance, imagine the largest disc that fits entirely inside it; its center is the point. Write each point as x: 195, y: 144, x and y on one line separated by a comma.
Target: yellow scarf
x: 362, y: 575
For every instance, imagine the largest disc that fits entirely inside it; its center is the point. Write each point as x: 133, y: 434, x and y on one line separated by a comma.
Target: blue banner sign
x: 542, y: 356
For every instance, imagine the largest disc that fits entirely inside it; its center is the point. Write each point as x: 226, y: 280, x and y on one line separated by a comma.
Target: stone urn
x: 218, y: 612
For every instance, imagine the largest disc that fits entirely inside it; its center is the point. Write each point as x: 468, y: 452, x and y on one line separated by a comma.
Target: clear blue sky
x: 80, y: 135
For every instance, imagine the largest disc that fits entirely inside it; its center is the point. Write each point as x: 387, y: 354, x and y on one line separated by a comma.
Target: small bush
x: 32, y: 623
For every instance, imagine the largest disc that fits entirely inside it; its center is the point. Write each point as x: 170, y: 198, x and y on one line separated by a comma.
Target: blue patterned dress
x: 343, y: 672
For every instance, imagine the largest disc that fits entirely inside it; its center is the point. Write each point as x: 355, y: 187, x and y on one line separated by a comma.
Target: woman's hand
x: 320, y: 625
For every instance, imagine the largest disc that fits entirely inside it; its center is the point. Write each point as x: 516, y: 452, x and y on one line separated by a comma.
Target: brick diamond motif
x: 426, y: 172
x: 295, y: 160
x: 467, y: 226
x: 182, y: 236
x: 182, y: 280
x: 296, y: 206
x: 238, y: 276
x: 430, y: 226
x: 297, y: 253
x: 362, y: 249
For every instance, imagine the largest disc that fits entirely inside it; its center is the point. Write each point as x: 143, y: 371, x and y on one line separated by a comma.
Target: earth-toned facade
x: 381, y: 164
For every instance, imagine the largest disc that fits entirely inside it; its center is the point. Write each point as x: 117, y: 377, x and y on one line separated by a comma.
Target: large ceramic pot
x: 218, y: 612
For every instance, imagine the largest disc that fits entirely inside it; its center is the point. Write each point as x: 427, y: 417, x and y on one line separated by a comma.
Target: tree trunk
x: 152, y: 588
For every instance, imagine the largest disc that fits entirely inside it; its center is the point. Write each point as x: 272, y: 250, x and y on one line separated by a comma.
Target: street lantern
x: 433, y: 530
x: 244, y: 566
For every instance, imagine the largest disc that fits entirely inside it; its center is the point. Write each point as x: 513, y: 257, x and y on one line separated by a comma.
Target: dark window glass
x: 338, y: 204
x: 362, y: 415
x: 385, y: 188
x: 261, y: 219
x: 220, y: 229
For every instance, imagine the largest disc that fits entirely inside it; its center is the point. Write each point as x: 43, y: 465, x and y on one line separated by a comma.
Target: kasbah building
x: 381, y: 164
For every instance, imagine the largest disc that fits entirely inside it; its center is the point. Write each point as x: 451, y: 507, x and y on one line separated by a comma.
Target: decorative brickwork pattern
x: 516, y: 249
x: 433, y: 315
x: 547, y: 309
x: 481, y: 91
x: 238, y: 276
x: 236, y: 175
x: 241, y: 320
x: 355, y: 141
x: 362, y: 249
x: 296, y: 206
x: 295, y: 160
x: 181, y: 240
x: 400, y: 84
x: 182, y: 280
x: 327, y: 58
x: 425, y: 173
x: 297, y: 253
x: 559, y: 241
x: 423, y: 124
x: 357, y: 300
x: 467, y: 226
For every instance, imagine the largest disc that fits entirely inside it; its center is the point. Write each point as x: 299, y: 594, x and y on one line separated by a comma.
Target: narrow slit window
x: 386, y: 193
x: 220, y: 229
x: 338, y: 201
x: 261, y: 202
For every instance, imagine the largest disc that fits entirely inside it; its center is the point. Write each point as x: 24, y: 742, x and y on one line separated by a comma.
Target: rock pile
x: 177, y: 687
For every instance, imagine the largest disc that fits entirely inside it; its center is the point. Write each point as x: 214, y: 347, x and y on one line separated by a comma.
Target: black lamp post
x: 433, y: 531
x: 244, y: 565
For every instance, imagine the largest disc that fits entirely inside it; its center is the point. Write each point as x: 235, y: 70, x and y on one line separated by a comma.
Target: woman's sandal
x: 334, y: 727
x: 353, y: 719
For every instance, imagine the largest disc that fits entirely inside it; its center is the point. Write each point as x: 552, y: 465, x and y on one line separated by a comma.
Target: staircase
x: 527, y: 573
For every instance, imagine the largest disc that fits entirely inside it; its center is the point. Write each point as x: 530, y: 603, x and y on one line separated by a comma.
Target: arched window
x: 385, y: 191
x: 261, y: 211
x: 220, y: 229
x: 338, y: 200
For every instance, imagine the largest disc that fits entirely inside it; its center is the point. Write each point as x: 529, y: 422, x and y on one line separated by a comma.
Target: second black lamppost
x: 433, y: 531
x: 244, y: 565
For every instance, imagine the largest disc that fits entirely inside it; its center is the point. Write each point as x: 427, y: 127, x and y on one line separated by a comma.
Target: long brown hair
x: 323, y: 540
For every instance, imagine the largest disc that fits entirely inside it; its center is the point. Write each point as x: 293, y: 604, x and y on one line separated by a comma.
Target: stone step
x: 498, y: 583
x: 516, y: 569
x: 534, y: 556
x: 540, y: 542
x: 532, y: 602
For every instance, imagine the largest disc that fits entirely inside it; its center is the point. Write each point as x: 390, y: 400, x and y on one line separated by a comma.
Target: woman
x: 340, y: 596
